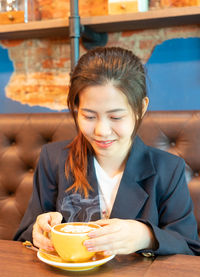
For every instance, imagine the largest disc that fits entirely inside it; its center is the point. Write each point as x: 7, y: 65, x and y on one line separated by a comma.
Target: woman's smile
x: 104, y: 143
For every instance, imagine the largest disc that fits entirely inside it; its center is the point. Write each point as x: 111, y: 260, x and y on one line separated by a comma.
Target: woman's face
x: 106, y: 120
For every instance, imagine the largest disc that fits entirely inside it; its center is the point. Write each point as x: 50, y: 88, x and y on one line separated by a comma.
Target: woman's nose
x: 102, y: 128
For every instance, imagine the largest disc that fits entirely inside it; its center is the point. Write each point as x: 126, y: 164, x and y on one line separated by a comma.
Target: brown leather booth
x: 22, y: 135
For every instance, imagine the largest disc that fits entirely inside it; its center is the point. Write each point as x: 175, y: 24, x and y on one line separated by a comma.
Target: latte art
x: 77, y: 229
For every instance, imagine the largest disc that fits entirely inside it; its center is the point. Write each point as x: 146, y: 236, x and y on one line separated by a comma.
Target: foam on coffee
x: 77, y: 229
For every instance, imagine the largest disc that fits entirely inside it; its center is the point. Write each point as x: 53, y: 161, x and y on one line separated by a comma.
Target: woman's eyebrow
x: 116, y: 110
x: 87, y: 110
x: 109, y: 111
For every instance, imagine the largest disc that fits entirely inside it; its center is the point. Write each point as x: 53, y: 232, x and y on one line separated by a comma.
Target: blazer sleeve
x: 177, y: 229
x: 43, y: 197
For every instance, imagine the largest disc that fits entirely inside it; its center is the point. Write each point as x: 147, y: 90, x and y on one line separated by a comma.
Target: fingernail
x: 91, y: 234
x: 87, y: 243
x: 107, y: 253
x: 90, y: 249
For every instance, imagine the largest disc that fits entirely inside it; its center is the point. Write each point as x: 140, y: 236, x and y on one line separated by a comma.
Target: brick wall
x: 42, y: 66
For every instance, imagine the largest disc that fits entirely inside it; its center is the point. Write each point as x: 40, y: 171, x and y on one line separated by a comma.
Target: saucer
x: 57, y: 262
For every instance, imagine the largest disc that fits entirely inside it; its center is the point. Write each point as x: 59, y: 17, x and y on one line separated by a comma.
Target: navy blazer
x: 152, y: 190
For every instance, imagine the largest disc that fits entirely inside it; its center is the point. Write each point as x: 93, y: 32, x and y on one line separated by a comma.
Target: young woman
x: 107, y: 174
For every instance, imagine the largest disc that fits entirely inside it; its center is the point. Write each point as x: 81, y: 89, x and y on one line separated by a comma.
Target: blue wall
x: 174, y: 75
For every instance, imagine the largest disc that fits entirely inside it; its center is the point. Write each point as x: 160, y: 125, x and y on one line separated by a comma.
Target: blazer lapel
x: 131, y: 196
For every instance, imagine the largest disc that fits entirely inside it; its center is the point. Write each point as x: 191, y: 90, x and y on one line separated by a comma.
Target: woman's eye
x: 115, y: 118
x: 89, y: 117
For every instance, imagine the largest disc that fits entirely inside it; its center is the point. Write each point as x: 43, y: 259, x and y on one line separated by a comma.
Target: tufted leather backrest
x: 22, y: 135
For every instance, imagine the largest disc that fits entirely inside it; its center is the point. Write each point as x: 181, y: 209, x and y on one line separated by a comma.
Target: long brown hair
x: 101, y: 66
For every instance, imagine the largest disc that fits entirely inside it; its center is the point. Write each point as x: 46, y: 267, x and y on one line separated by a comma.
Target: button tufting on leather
x: 172, y: 143
x: 47, y: 139
x: 12, y: 141
x: 11, y: 193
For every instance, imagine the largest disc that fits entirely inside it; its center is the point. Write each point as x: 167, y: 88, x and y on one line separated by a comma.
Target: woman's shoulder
x: 165, y: 162
x: 162, y: 155
x: 56, y: 145
x: 165, y: 165
x: 55, y: 149
x: 53, y: 154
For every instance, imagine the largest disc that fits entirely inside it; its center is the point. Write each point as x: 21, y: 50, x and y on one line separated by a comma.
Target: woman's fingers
x: 56, y: 218
x: 99, y: 243
x: 103, y: 222
x: 44, y: 222
x: 110, y: 238
x: 47, y: 220
x: 42, y: 227
x: 110, y: 226
x: 109, y: 244
x: 40, y: 240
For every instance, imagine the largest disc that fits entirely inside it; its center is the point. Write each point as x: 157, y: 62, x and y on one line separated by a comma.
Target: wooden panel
x: 11, y: 17
x: 121, y: 7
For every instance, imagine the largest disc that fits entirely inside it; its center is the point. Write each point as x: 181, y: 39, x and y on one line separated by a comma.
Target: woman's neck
x: 112, y: 165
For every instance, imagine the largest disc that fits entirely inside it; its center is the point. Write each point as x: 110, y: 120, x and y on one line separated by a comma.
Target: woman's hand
x: 119, y: 236
x: 42, y: 226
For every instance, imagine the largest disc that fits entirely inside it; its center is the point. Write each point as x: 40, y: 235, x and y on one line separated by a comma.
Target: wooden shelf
x: 144, y: 20
x: 108, y: 23
x: 35, y: 29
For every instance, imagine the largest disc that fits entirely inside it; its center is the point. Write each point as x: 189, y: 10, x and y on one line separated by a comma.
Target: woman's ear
x: 145, y: 103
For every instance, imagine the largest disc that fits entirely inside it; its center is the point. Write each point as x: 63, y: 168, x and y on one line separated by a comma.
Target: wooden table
x: 18, y: 261
x: 175, y: 266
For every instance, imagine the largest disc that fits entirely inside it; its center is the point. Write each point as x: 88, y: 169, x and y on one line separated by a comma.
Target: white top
x: 108, y: 188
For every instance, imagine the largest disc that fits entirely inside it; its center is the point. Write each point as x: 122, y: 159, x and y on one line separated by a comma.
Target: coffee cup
x: 68, y: 239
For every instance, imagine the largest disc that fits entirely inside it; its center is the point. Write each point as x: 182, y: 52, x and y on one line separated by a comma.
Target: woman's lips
x: 104, y: 143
